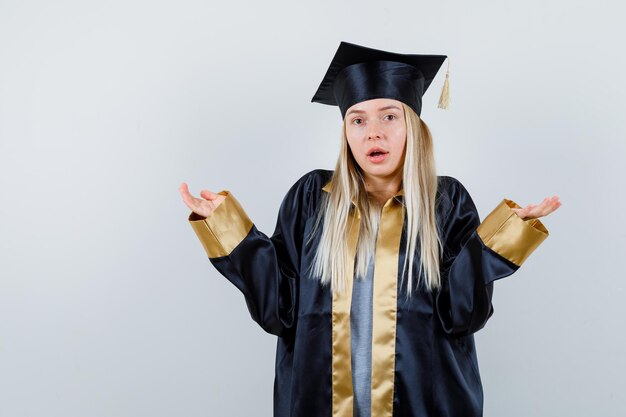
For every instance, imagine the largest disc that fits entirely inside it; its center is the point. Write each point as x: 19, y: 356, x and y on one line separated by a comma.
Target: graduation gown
x: 424, y: 361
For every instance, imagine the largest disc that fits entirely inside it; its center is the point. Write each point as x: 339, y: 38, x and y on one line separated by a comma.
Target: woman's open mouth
x: 377, y: 157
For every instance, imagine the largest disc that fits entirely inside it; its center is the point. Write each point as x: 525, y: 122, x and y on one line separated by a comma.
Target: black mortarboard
x: 357, y: 73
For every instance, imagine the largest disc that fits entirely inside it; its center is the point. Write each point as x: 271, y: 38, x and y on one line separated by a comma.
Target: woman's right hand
x: 203, y: 206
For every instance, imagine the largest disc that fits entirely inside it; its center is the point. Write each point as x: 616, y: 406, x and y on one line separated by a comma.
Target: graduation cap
x: 358, y: 73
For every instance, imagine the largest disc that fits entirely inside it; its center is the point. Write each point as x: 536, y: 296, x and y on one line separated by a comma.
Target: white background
x: 108, y: 305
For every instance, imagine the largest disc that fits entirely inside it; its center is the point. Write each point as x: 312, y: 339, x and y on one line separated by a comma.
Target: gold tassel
x: 444, y: 98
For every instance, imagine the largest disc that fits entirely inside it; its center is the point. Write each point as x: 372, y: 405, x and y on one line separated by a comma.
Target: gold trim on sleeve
x: 504, y: 232
x: 224, y: 229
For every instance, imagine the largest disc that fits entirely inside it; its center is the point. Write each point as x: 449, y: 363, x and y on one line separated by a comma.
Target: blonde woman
x: 379, y: 272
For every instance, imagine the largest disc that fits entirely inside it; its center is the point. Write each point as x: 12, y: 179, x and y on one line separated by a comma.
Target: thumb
x: 208, y: 195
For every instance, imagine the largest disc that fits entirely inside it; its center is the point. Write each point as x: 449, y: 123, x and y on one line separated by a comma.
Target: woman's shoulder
x: 312, y: 182
x: 316, y: 179
x: 308, y: 188
x: 450, y: 186
x: 449, y: 192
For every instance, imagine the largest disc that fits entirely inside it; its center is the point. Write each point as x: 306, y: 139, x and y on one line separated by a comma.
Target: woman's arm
x: 265, y: 269
x: 477, y: 254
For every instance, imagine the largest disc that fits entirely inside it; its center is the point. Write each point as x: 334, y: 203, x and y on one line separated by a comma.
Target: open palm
x: 531, y: 211
x: 204, y: 206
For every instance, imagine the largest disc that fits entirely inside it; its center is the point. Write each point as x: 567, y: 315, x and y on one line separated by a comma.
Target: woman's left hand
x: 547, y: 206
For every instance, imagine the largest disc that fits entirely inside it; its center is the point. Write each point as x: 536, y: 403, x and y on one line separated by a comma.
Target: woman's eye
x: 391, y: 116
x: 357, y: 121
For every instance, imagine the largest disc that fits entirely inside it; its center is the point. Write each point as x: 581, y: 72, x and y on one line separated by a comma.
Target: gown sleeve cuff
x: 224, y: 229
x: 504, y: 232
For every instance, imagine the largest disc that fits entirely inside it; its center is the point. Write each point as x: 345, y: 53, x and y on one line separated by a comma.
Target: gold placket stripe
x: 341, y: 349
x: 385, y: 308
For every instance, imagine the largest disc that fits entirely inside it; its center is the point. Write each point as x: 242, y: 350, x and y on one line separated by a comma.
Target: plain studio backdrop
x: 108, y: 304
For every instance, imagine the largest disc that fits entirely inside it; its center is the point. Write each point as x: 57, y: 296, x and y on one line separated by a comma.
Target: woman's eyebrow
x: 389, y: 107
x: 354, y: 111
x: 381, y: 109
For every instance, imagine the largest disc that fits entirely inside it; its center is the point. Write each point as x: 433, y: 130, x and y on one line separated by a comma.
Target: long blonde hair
x: 420, y: 189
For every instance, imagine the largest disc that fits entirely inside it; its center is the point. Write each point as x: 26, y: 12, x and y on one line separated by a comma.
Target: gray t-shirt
x: 361, y: 341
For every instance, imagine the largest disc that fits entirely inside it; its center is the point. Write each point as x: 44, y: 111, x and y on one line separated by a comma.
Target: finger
x: 521, y: 212
x: 555, y: 205
x: 547, y: 209
x: 539, y: 210
x: 208, y: 195
x: 189, y: 199
x: 547, y: 206
x: 184, y: 192
x: 191, y: 203
x: 184, y: 189
x: 544, y: 204
x: 552, y: 204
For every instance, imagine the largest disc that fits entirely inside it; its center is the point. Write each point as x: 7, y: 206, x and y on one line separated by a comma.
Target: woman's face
x: 376, y: 133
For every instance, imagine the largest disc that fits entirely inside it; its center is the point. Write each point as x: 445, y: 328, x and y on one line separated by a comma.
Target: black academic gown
x: 424, y: 361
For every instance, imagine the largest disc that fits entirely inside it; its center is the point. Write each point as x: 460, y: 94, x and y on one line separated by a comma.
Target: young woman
x: 379, y: 272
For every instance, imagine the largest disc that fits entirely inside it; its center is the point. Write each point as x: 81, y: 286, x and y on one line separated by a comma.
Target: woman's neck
x: 382, y: 189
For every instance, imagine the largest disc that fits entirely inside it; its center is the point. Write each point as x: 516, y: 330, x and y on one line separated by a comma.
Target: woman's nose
x: 374, y: 130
